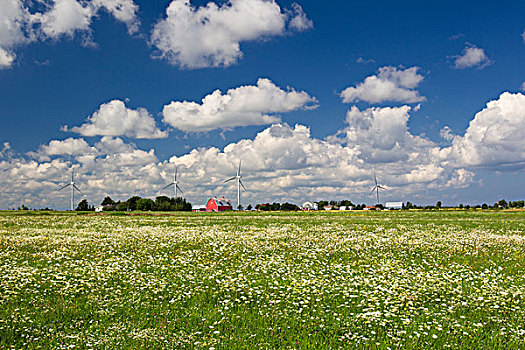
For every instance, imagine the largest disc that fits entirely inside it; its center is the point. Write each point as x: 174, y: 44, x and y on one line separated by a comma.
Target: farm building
x: 330, y: 207
x: 309, y: 206
x: 394, y: 205
x: 218, y: 204
x: 198, y: 208
x: 343, y: 207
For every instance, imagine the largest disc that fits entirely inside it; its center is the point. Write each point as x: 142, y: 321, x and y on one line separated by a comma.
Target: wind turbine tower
x: 376, y: 188
x: 175, y: 183
x: 73, y: 188
x: 239, y: 184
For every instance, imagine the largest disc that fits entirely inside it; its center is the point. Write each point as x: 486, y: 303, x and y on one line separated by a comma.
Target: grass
x: 412, y: 279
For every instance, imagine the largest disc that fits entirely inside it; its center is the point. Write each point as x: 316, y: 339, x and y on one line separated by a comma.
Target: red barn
x: 218, y: 204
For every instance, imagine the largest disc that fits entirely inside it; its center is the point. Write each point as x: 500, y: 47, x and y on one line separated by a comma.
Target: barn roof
x: 223, y: 202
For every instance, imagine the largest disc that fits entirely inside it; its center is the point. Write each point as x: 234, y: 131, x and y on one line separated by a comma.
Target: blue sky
x: 445, y: 61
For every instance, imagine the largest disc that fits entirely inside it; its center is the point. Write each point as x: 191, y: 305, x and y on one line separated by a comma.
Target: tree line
x: 164, y: 203
x: 275, y: 207
x: 161, y: 203
x: 502, y: 204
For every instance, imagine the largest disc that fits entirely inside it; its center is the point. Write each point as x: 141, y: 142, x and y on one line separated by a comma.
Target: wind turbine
x: 175, y: 183
x: 376, y: 188
x: 73, y: 188
x: 21, y: 183
x: 239, y: 184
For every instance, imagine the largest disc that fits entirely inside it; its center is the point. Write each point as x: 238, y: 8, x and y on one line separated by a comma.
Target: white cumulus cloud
x: 67, y: 147
x: 20, y: 24
x: 288, y: 160
x: 6, y: 58
x: 282, y: 162
x: 295, y: 165
x: 494, y: 138
x: 298, y: 19
x: 210, y: 35
x: 460, y: 178
x: 472, y: 56
x: 5, y: 150
x: 64, y: 18
x: 382, y: 135
x: 389, y: 84
x: 124, y: 11
x: 242, y: 106
x: 446, y: 133
x: 13, y: 20
x: 115, y: 119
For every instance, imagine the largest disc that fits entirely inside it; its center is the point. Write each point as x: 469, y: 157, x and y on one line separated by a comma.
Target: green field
x: 263, y: 280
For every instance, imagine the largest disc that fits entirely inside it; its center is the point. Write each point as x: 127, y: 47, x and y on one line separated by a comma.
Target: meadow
x: 371, y: 280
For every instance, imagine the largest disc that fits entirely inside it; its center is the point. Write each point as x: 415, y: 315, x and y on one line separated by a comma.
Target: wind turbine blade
x: 61, y: 188
x: 173, y: 183
x: 375, y: 178
x: 179, y: 189
x: 381, y: 187
x: 239, y: 171
x: 373, y: 189
x: 242, y: 185
x: 78, y: 189
x: 233, y: 178
x: 176, y: 171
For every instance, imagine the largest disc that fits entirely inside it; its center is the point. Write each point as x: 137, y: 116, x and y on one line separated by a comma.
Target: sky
x: 313, y: 98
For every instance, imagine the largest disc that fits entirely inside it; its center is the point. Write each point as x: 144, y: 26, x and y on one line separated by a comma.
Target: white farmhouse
x: 344, y: 207
x: 309, y: 206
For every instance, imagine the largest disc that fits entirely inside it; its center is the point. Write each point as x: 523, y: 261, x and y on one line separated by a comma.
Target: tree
x: 346, y: 203
x: 132, y: 202
x: 438, y: 204
x: 180, y: 204
x: 145, y: 204
x: 162, y: 203
x: 107, y: 201
x: 83, y: 205
x: 249, y: 207
x: 263, y: 207
x: 289, y: 207
x: 502, y: 203
x: 322, y: 204
x: 123, y: 206
x: 484, y: 206
x: 516, y: 204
